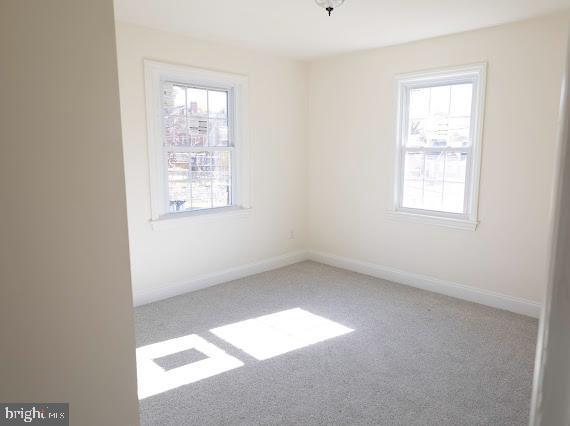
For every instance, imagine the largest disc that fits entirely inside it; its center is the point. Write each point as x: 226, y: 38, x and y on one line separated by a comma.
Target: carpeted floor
x: 414, y: 357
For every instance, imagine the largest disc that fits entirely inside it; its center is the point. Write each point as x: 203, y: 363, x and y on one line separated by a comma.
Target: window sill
x: 174, y: 220
x: 447, y: 222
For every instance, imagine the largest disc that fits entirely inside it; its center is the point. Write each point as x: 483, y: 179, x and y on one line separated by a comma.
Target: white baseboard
x: 459, y: 291
x: 208, y: 280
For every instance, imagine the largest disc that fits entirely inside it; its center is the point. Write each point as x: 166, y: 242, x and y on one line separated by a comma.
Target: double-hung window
x: 197, y: 144
x: 439, y: 145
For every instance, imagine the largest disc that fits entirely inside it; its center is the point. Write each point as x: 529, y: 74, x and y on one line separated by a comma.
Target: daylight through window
x: 197, y: 146
x: 198, y: 151
x: 439, y: 143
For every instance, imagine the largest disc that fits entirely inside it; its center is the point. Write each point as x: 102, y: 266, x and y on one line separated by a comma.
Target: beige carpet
x: 412, y: 357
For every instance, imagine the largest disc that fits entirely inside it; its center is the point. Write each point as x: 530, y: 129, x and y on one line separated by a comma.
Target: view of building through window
x: 437, y: 144
x: 197, y: 147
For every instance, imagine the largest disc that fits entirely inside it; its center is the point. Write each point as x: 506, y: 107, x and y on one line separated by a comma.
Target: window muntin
x: 438, y: 144
x: 197, y: 146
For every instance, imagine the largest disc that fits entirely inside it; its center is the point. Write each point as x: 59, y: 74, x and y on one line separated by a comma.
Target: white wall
x: 66, y: 331
x: 352, y: 128
x: 340, y: 112
x: 163, y: 259
x: 551, y: 392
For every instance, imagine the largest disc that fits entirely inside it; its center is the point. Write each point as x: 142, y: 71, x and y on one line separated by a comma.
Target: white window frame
x: 475, y: 74
x: 237, y: 86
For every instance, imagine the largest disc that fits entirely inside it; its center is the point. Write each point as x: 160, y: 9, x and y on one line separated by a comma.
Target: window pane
x: 414, y: 166
x: 201, y: 192
x: 434, y: 181
x: 461, y: 95
x: 197, y: 101
x: 459, y: 131
x: 440, y: 116
x: 178, y: 181
x: 419, y: 103
x: 217, y: 104
x: 433, y: 195
x: 211, y: 179
x: 435, y: 163
x: 413, y: 194
x: 439, y: 100
x: 174, y: 118
x: 222, y: 181
x: 175, y: 133
x: 455, y: 167
x: 454, y: 185
x: 173, y: 99
x: 218, y: 118
x: 218, y: 132
x: 417, y: 132
x: 198, y: 130
x: 453, y: 196
x: 197, y: 116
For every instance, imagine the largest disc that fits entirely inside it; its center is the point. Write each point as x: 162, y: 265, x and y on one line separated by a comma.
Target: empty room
x: 302, y: 212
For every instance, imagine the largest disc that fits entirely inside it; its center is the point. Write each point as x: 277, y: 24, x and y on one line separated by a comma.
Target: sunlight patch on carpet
x: 154, y: 379
x: 276, y: 334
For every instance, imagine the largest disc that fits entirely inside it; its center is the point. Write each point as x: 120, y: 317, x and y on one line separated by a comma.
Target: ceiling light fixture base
x: 329, y: 5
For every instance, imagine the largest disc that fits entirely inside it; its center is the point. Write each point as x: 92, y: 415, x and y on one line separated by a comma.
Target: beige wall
x: 65, y: 304
x: 352, y: 120
x: 277, y: 117
x: 551, y: 393
x: 349, y: 134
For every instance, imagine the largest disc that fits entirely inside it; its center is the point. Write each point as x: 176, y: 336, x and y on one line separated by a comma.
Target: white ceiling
x: 300, y: 28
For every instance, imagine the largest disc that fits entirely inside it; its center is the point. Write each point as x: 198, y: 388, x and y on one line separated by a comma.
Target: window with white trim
x: 439, y: 143
x: 197, y: 142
